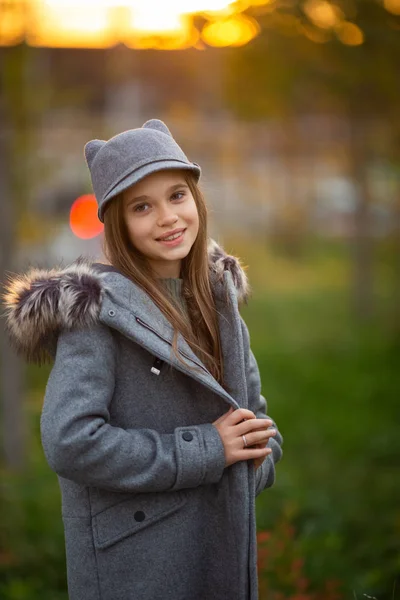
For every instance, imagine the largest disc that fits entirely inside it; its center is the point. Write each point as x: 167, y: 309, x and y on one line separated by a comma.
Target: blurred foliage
x: 333, y: 385
x: 32, y: 558
x: 330, y: 527
x: 287, y: 72
x: 281, y: 566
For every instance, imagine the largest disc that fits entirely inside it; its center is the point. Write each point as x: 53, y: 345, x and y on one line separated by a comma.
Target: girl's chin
x: 174, y: 253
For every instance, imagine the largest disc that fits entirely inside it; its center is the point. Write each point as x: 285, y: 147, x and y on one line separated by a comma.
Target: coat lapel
x: 127, y: 308
x: 231, y: 338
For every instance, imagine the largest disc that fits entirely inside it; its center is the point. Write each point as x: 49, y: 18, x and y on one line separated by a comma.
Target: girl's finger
x: 241, y: 414
x: 251, y: 453
x: 259, y: 437
x: 223, y: 417
x: 252, y: 425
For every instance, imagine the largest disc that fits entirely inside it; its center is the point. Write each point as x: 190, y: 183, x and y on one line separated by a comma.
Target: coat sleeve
x: 80, y: 443
x: 265, y: 474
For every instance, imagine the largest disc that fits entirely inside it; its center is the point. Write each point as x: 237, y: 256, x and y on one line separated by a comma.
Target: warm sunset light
x: 235, y: 31
x: 392, y: 6
x: 135, y: 23
x: 322, y: 13
x: 350, y: 34
x: 12, y: 25
x: 71, y: 27
x: 173, y: 6
x: 83, y: 218
x: 159, y: 24
x: 178, y: 39
x: 162, y: 20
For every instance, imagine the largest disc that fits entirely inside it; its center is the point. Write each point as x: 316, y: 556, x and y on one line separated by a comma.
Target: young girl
x: 153, y: 417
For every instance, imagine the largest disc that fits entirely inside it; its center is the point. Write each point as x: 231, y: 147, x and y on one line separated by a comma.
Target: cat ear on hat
x: 91, y: 149
x: 157, y: 125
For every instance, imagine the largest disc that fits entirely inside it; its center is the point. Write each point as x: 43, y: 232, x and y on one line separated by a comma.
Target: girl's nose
x: 166, y: 217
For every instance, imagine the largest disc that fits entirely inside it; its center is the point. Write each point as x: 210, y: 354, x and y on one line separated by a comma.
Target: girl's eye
x: 178, y: 195
x: 140, y: 207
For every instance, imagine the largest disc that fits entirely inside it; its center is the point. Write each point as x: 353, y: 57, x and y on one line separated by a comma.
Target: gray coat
x: 150, y: 512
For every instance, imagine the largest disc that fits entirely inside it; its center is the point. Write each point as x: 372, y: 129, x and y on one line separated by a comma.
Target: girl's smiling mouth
x: 173, y: 238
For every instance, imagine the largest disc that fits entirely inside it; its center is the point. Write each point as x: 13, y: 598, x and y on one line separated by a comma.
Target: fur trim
x: 41, y: 302
x: 219, y: 262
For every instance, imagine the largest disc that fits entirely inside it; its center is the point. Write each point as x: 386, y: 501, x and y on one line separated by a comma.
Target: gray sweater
x: 174, y: 286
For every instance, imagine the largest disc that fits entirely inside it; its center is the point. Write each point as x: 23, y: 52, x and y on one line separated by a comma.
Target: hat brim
x: 142, y: 172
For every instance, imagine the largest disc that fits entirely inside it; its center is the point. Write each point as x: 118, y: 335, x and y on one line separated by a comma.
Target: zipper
x: 168, y: 342
x: 143, y: 324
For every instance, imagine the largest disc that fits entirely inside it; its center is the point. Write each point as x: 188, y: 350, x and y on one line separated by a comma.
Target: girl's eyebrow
x: 169, y: 190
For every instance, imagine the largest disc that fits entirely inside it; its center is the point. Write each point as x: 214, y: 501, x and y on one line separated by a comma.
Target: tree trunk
x: 15, y: 135
x: 362, y: 242
x: 11, y: 392
x: 396, y: 248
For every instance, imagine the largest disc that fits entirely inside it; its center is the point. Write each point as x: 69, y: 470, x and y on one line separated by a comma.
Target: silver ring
x: 244, y: 441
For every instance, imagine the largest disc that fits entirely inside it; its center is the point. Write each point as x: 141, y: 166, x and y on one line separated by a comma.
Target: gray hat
x: 126, y: 158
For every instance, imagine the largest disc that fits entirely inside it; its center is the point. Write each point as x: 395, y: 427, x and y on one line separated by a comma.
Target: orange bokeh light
x: 83, y: 218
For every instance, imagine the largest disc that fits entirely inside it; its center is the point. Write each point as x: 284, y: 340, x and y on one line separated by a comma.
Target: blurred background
x: 291, y: 107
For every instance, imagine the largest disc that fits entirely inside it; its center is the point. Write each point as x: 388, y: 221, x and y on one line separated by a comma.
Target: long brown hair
x: 201, y: 330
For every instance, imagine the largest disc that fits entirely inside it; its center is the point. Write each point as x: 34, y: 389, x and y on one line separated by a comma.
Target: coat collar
x: 42, y: 302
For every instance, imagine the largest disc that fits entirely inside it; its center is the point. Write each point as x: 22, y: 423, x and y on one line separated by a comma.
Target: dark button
x: 187, y: 436
x: 139, y: 515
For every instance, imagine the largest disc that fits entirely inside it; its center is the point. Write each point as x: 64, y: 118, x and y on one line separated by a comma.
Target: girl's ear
x: 91, y: 149
x: 157, y: 125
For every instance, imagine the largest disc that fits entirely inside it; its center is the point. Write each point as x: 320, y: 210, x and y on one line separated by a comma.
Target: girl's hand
x: 259, y: 461
x: 242, y: 422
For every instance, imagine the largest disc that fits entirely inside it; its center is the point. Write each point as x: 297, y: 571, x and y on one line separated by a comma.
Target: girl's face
x: 159, y: 206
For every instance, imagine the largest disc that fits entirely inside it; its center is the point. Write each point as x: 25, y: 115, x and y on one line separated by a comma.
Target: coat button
x: 139, y: 515
x: 111, y: 313
x: 187, y: 436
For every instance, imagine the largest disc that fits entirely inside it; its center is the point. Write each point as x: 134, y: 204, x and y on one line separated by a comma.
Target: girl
x: 153, y: 417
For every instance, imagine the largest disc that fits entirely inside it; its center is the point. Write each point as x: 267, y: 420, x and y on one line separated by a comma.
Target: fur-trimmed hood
x: 41, y: 302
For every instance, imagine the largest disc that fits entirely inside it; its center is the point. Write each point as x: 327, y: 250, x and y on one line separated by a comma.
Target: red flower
x: 263, y: 536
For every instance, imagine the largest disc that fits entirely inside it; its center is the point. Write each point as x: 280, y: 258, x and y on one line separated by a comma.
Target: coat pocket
x: 134, y: 514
